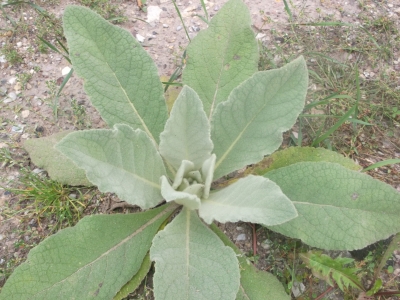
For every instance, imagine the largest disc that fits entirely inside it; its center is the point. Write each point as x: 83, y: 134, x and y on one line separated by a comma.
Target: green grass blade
x: 326, y: 100
x: 328, y: 58
x: 382, y: 163
x: 180, y: 17
x: 343, y: 119
x: 371, y: 37
x: 326, y: 24
x: 287, y: 9
x: 203, y: 5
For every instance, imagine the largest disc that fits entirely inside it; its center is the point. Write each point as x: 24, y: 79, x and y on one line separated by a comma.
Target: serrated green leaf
x: 122, y: 161
x: 120, y: 77
x: 92, y: 260
x: 222, y: 56
x: 249, y: 125
x: 254, y: 284
x: 191, y: 262
x: 58, y: 166
x: 187, y: 132
x: 136, y: 280
x: 333, y: 270
x: 292, y: 155
x: 339, y: 209
x: 251, y: 199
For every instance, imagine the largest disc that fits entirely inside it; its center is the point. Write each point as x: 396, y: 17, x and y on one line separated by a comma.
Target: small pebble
x: 140, y: 38
x: 18, y: 86
x: 165, y: 25
x: 17, y: 128
x: 178, y: 28
x: 25, y: 114
x: 241, y: 237
x: 65, y: 71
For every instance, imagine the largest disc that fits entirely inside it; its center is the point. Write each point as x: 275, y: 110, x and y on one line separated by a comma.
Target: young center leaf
x: 222, y: 56
x: 122, y: 161
x: 120, y: 77
x: 249, y: 125
x: 187, y: 132
x: 92, y: 260
x: 250, y: 199
x: 191, y: 262
x: 339, y: 209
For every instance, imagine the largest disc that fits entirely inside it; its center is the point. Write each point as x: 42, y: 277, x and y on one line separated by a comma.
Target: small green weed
x: 11, y: 54
x: 24, y: 78
x: 51, y: 199
x: 80, y: 118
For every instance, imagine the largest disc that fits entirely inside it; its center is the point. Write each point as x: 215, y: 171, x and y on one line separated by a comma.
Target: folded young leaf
x: 187, y: 132
x: 222, y: 56
x: 120, y: 77
x: 190, y: 201
x: 249, y: 125
x: 92, y: 260
x: 339, y: 209
x: 58, y: 166
x: 122, y: 161
x: 191, y: 262
x: 251, y: 199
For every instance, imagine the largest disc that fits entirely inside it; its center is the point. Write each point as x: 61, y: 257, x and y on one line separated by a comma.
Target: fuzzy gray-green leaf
x: 191, y: 262
x: 251, y: 199
x: 187, y: 132
x: 339, y: 209
x: 122, y: 161
x: 222, y: 56
x: 120, y: 77
x: 92, y: 260
x: 57, y: 165
x: 249, y: 125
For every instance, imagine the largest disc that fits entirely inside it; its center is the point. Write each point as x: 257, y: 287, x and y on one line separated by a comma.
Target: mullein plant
x: 228, y: 115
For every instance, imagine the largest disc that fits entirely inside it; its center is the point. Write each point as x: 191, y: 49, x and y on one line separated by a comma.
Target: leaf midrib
x: 233, y: 144
x: 96, y: 42
x: 168, y: 209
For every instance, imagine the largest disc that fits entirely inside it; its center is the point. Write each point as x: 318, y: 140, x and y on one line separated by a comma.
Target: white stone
x: 25, y: 114
x: 140, y: 38
x: 65, y: 71
x: 153, y: 13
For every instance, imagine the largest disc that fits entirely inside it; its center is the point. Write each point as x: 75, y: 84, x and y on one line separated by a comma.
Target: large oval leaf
x: 252, y: 199
x: 120, y: 77
x: 292, y: 155
x: 222, y: 56
x: 122, y: 161
x: 58, y: 166
x: 250, y: 123
x: 92, y: 260
x: 339, y: 209
x: 191, y: 262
